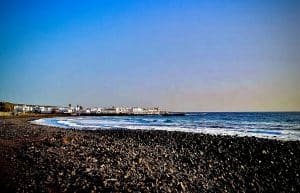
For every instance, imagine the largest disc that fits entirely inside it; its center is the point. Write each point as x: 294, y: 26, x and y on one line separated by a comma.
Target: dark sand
x: 47, y: 159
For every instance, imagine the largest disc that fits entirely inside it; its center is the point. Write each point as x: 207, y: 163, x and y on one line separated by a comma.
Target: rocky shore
x: 46, y: 159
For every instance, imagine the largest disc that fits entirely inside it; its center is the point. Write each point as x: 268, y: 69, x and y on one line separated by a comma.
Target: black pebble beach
x: 46, y: 159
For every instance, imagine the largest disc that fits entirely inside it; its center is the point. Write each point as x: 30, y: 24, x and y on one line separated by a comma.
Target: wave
x: 135, y: 123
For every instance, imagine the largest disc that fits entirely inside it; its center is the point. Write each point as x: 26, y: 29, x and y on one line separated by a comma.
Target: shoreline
x: 51, y: 159
x: 282, y: 135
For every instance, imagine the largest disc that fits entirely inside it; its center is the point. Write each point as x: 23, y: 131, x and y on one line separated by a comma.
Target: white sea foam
x: 133, y: 123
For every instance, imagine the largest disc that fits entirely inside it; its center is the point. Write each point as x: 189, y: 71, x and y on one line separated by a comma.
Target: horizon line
x: 200, y: 111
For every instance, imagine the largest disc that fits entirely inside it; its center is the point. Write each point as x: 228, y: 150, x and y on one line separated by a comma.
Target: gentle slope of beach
x: 47, y: 159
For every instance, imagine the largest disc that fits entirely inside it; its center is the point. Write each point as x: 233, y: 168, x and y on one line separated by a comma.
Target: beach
x: 37, y: 158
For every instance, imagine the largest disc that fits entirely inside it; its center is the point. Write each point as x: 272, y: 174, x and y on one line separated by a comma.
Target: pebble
x: 147, y: 161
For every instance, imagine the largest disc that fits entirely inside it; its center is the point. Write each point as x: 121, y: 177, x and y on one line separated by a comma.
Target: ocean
x: 275, y: 125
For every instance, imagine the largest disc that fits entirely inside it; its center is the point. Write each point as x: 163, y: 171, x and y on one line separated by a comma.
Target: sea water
x: 277, y: 125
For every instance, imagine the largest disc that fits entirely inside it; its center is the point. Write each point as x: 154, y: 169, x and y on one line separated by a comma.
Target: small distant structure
x: 138, y: 110
x: 122, y: 110
x: 77, y: 109
x: 46, y: 110
x: 154, y: 111
x: 22, y: 108
x: 87, y: 111
x: 64, y: 110
x: 94, y: 110
x: 110, y: 110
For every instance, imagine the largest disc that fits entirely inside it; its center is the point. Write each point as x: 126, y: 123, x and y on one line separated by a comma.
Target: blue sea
x: 275, y: 125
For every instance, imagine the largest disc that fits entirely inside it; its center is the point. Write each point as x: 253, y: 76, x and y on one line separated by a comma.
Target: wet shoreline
x: 48, y: 159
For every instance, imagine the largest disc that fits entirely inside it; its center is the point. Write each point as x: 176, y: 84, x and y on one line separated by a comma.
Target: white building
x: 94, y: 110
x: 87, y: 111
x: 64, y: 110
x: 137, y: 110
x: 122, y: 110
x: 23, y: 108
x: 153, y: 111
x: 46, y: 110
x: 110, y: 110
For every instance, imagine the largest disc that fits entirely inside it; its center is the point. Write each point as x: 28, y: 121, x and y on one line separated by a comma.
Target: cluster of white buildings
x: 34, y: 109
x: 122, y: 110
x: 79, y: 110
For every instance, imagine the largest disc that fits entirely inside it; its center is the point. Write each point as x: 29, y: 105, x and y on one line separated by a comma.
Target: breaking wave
x: 263, y: 125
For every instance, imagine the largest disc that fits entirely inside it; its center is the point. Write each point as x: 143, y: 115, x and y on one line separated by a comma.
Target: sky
x: 180, y: 55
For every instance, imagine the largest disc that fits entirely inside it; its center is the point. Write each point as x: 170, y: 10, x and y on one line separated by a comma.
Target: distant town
x: 79, y: 110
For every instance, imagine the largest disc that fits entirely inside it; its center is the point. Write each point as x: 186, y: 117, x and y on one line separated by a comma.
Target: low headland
x: 38, y: 158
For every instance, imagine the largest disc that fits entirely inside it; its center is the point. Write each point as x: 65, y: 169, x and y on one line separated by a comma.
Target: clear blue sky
x: 181, y: 55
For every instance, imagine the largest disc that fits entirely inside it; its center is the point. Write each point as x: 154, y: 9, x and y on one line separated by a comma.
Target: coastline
x: 49, y: 159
